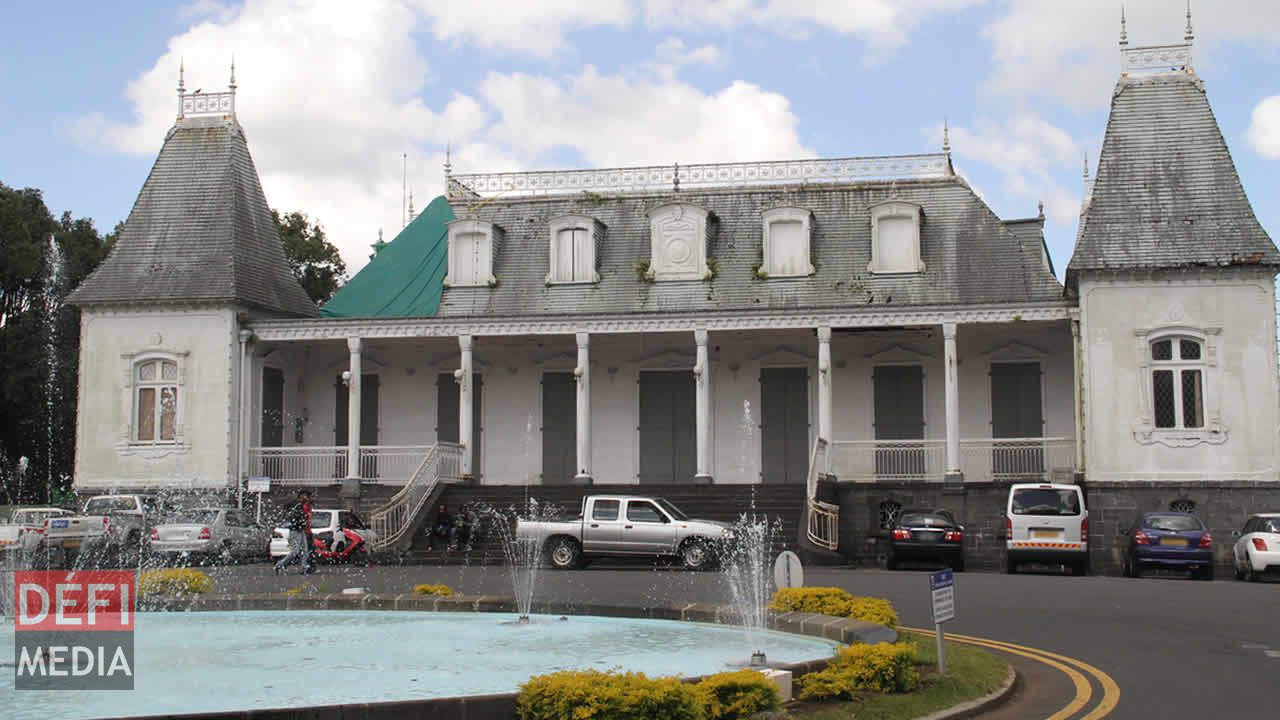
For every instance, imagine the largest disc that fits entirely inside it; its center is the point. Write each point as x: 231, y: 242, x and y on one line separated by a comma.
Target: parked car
x: 338, y: 534
x: 26, y: 526
x: 1257, y: 551
x: 110, y: 527
x: 223, y: 534
x: 1169, y: 540
x: 1046, y: 523
x: 626, y: 526
x: 927, y: 535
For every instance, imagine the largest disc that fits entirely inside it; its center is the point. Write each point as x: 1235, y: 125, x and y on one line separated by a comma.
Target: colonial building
x: 865, y: 331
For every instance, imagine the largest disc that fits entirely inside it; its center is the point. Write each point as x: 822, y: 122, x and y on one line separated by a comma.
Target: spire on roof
x: 1124, y: 30
x: 232, y: 84
x: 1189, y: 35
x: 411, y: 205
x: 946, y: 136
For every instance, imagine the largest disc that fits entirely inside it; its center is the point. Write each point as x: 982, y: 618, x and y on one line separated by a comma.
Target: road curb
x: 974, y: 708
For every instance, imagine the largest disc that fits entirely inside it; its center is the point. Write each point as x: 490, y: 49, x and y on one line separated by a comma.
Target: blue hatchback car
x: 1170, y: 540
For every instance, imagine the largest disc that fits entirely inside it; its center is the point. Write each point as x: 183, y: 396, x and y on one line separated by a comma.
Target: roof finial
x: 676, y: 177
x: 1124, y: 29
x: 410, y: 204
x: 1040, y: 208
x: 1189, y: 36
x: 448, y: 168
x: 1085, y: 174
x: 182, y: 76
x: 232, y: 84
x: 946, y: 136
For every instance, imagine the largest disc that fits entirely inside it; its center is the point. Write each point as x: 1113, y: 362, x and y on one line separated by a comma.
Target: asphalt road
x: 1177, y: 648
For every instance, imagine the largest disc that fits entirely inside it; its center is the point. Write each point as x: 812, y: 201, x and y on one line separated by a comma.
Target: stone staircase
x: 715, y: 502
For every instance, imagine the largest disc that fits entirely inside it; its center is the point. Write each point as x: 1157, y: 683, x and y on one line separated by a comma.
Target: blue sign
x: 942, y: 579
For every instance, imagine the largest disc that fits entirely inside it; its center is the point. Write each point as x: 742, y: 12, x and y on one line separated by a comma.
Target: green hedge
x: 596, y: 695
x: 835, y: 602
x: 880, y: 668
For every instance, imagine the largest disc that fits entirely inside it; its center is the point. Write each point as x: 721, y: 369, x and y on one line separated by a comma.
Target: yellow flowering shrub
x: 880, y: 668
x: 835, y: 602
x: 737, y: 694
x: 173, y: 581
x: 442, y: 590
x: 597, y: 695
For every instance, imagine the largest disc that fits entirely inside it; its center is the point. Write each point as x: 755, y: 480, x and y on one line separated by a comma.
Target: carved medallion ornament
x: 679, y: 247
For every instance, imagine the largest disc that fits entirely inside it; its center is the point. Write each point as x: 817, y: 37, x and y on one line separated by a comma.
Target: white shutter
x: 563, y: 270
x: 896, y: 251
x: 466, y: 245
x: 786, y: 248
x: 583, y: 256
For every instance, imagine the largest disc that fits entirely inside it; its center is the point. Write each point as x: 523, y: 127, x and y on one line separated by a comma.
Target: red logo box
x: 62, y: 601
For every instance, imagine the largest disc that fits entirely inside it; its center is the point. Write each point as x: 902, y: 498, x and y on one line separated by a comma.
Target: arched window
x: 1177, y: 382
x: 785, y: 251
x: 155, y: 401
x: 573, y: 249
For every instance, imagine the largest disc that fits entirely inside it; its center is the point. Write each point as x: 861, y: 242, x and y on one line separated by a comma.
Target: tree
x: 39, y: 341
x: 313, y: 259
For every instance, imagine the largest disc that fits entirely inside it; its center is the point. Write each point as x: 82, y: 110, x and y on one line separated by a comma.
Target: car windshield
x: 194, y: 517
x: 321, y: 519
x: 1171, y: 523
x: 1045, y: 501
x: 672, y: 510
x: 104, y: 505
x: 1269, y: 525
x: 921, y: 519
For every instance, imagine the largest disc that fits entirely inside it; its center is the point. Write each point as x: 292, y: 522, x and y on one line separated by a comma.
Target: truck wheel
x: 695, y: 555
x: 564, y: 553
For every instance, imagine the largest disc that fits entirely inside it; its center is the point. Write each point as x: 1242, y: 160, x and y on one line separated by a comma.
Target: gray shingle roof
x: 970, y: 256
x: 1166, y: 194
x: 200, y: 230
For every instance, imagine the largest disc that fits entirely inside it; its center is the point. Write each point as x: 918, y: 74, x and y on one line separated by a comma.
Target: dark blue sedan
x: 1169, y: 540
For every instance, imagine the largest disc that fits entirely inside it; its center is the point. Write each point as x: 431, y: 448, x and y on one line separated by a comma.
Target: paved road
x: 1177, y: 648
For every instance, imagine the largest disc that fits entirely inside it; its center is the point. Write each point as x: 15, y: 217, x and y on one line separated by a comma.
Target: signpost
x: 259, y: 486
x: 787, y: 571
x: 942, y: 584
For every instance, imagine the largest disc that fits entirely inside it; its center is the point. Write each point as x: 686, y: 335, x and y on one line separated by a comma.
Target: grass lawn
x: 971, y: 674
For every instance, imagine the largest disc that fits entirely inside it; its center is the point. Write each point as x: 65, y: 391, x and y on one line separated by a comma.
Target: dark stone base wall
x: 1112, y: 506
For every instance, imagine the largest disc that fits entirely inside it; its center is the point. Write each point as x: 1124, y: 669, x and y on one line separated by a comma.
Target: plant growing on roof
x: 644, y: 272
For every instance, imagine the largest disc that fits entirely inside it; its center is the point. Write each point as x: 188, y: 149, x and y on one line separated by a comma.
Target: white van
x: 1046, y: 523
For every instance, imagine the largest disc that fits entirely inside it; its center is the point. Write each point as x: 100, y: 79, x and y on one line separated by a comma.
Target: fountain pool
x: 219, y: 661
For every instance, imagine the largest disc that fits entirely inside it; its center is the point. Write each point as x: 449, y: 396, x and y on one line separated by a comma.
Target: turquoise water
x: 215, y: 661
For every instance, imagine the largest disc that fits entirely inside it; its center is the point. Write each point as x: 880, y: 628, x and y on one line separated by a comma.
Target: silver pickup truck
x: 115, y: 524
x: 626, y: 526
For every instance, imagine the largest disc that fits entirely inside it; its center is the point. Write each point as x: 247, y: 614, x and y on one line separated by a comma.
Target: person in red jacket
x: 301, y: 542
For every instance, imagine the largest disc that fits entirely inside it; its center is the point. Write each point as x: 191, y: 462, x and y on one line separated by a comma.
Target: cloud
x: 617, y: 120
x: 1068, y: 52
x: 1026, y: 150
x: 1264, y: 129
x: 672, y: 51
x: 535, y: 27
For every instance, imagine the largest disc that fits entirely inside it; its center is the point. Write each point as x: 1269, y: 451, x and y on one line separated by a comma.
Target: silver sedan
x: 215, y: 534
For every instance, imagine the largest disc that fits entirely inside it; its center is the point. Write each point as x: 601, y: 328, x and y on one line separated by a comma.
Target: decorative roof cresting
x: 677, y: 177
x: 203, y: 104
x: 1148, y: 59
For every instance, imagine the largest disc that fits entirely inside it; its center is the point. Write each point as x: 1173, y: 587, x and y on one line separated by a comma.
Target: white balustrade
x: 298, y: 465
x: 391, y: 464
x: 981, y: 460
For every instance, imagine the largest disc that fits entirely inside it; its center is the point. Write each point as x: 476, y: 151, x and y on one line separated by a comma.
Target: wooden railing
x: 981, y: 460
x: 822, y: 518
x: 395, y: 520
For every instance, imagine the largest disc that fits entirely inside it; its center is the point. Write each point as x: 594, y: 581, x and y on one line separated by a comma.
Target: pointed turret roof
x: 201, y: 229
x: 1166, y: 194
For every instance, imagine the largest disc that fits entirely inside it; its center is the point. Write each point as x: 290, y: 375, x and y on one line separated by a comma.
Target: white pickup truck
x: 26, y: 525
x: 626, y: 526
x: 119, y: 525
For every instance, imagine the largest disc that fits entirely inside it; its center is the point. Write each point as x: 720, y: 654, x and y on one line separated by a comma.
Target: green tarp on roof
x: 406, y: 278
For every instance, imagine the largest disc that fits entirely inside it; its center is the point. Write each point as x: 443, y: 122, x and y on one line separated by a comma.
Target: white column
x: 244, y: 417
x: 583, y: 374
x: 953, y: 404
x: 702, y: 378
x: 1077, y: 398
x: 353, y: 408
x: 824, y: 391
x: 463, y: 376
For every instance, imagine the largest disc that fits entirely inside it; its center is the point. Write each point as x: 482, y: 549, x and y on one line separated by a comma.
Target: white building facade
x: 863, y: 329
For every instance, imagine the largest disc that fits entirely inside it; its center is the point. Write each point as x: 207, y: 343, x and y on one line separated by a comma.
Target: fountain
x: 747, y: 570
x: 54, y: 294
x: 523, y: 554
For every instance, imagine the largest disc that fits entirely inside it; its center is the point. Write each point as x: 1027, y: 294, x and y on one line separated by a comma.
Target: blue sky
x: 332, y: 93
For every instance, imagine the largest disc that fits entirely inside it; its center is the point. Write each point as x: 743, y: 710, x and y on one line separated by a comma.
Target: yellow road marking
x: 1110, y: 690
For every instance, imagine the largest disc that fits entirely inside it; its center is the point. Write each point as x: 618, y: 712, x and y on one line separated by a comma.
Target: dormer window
x: 678, y: 234
x: 786, y: 243
x: 895, y: 238
x: 471, y: 246
x: 573, y: 249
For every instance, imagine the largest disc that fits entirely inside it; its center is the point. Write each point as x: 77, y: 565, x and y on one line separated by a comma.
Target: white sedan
x: 334, y: 531
x: 1257, y: 551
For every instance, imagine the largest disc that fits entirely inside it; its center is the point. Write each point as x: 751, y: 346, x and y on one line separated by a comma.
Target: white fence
x: 392, y: 465
x: 981, y: 460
